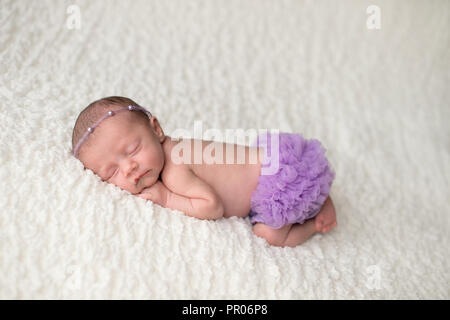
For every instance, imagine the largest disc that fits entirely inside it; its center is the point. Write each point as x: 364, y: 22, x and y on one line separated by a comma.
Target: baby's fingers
x: 146, y: 195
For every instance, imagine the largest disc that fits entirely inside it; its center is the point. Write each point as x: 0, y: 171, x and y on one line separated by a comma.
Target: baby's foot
x: 325, y: 220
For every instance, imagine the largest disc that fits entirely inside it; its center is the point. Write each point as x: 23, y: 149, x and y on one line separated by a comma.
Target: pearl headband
x: 110, y: 113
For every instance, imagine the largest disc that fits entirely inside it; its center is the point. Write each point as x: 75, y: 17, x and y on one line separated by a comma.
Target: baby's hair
x: 95, y: 110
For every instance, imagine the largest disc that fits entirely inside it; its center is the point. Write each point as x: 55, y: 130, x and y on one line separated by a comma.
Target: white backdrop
x: 377, y: 99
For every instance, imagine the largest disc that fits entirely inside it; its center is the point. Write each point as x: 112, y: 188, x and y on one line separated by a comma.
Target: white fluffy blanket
x: 377, y: 99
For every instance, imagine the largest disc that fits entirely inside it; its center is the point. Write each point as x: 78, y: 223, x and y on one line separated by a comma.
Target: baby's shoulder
x: 174, y: 168
x: 171, y: 172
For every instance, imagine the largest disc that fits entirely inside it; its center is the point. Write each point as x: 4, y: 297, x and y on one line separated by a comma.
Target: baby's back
x: 233, y: 181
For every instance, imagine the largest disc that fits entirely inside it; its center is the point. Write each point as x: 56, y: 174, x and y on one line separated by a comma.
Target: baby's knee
x: 274, y: 237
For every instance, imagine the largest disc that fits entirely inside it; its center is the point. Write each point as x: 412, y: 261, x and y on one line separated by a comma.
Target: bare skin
x: 294, y: 234
x: 142, y: 160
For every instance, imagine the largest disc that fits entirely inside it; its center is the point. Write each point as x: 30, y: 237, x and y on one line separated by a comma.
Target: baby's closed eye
x: 110, y: 173
x: 114, y: 170
x: 134, y: 149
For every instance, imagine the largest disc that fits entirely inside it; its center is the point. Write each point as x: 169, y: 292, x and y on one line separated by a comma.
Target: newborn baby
x: 125, y: 145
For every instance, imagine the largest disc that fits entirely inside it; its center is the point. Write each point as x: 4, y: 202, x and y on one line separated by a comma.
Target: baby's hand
x: 157, y: 193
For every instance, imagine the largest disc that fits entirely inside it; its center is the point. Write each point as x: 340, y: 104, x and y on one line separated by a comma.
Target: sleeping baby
x: 124, y: 144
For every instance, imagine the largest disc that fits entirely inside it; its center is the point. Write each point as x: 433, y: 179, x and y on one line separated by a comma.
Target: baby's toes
x: 329, y: 227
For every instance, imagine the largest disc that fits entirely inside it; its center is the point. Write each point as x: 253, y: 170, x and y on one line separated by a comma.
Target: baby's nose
x: 130, y: 167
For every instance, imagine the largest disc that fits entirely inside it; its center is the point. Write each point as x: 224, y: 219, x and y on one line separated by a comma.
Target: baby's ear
x: 157, y: 128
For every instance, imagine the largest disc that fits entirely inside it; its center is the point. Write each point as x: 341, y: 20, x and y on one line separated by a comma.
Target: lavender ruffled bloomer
x: 297, y: 191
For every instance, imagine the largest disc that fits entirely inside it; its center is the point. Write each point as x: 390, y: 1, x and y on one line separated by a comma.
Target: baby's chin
x: 146, y: 184
x: 139, y: 188
x: 136, y: 190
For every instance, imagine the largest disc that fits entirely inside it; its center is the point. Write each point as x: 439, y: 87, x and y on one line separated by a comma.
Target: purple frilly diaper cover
x: 300, y: 186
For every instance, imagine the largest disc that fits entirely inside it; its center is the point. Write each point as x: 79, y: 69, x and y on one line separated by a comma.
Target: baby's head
x: 125, y: 149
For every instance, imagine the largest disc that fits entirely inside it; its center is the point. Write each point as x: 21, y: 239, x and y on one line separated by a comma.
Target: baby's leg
x: 290, y: 235
x: 275, y: 237
x: 294, y: 234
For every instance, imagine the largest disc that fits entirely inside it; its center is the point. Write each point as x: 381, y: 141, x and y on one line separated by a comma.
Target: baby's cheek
x: 123, y: 184
x: 155, y: 158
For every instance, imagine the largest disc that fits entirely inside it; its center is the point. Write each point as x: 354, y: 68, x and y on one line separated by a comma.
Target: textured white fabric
x: 378, y: 100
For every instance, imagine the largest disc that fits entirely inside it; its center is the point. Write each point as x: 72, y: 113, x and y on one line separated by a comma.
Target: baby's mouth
x: 143, y: 175
x: 146, y: 173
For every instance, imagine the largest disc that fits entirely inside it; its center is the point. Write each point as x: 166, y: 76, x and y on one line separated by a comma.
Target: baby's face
x: 126, y: 154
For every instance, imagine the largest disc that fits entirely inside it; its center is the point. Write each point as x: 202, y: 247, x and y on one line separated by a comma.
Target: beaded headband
x: 110, y: 113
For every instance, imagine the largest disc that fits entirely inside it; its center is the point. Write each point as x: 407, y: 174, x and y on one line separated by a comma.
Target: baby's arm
x: 186, y: 192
